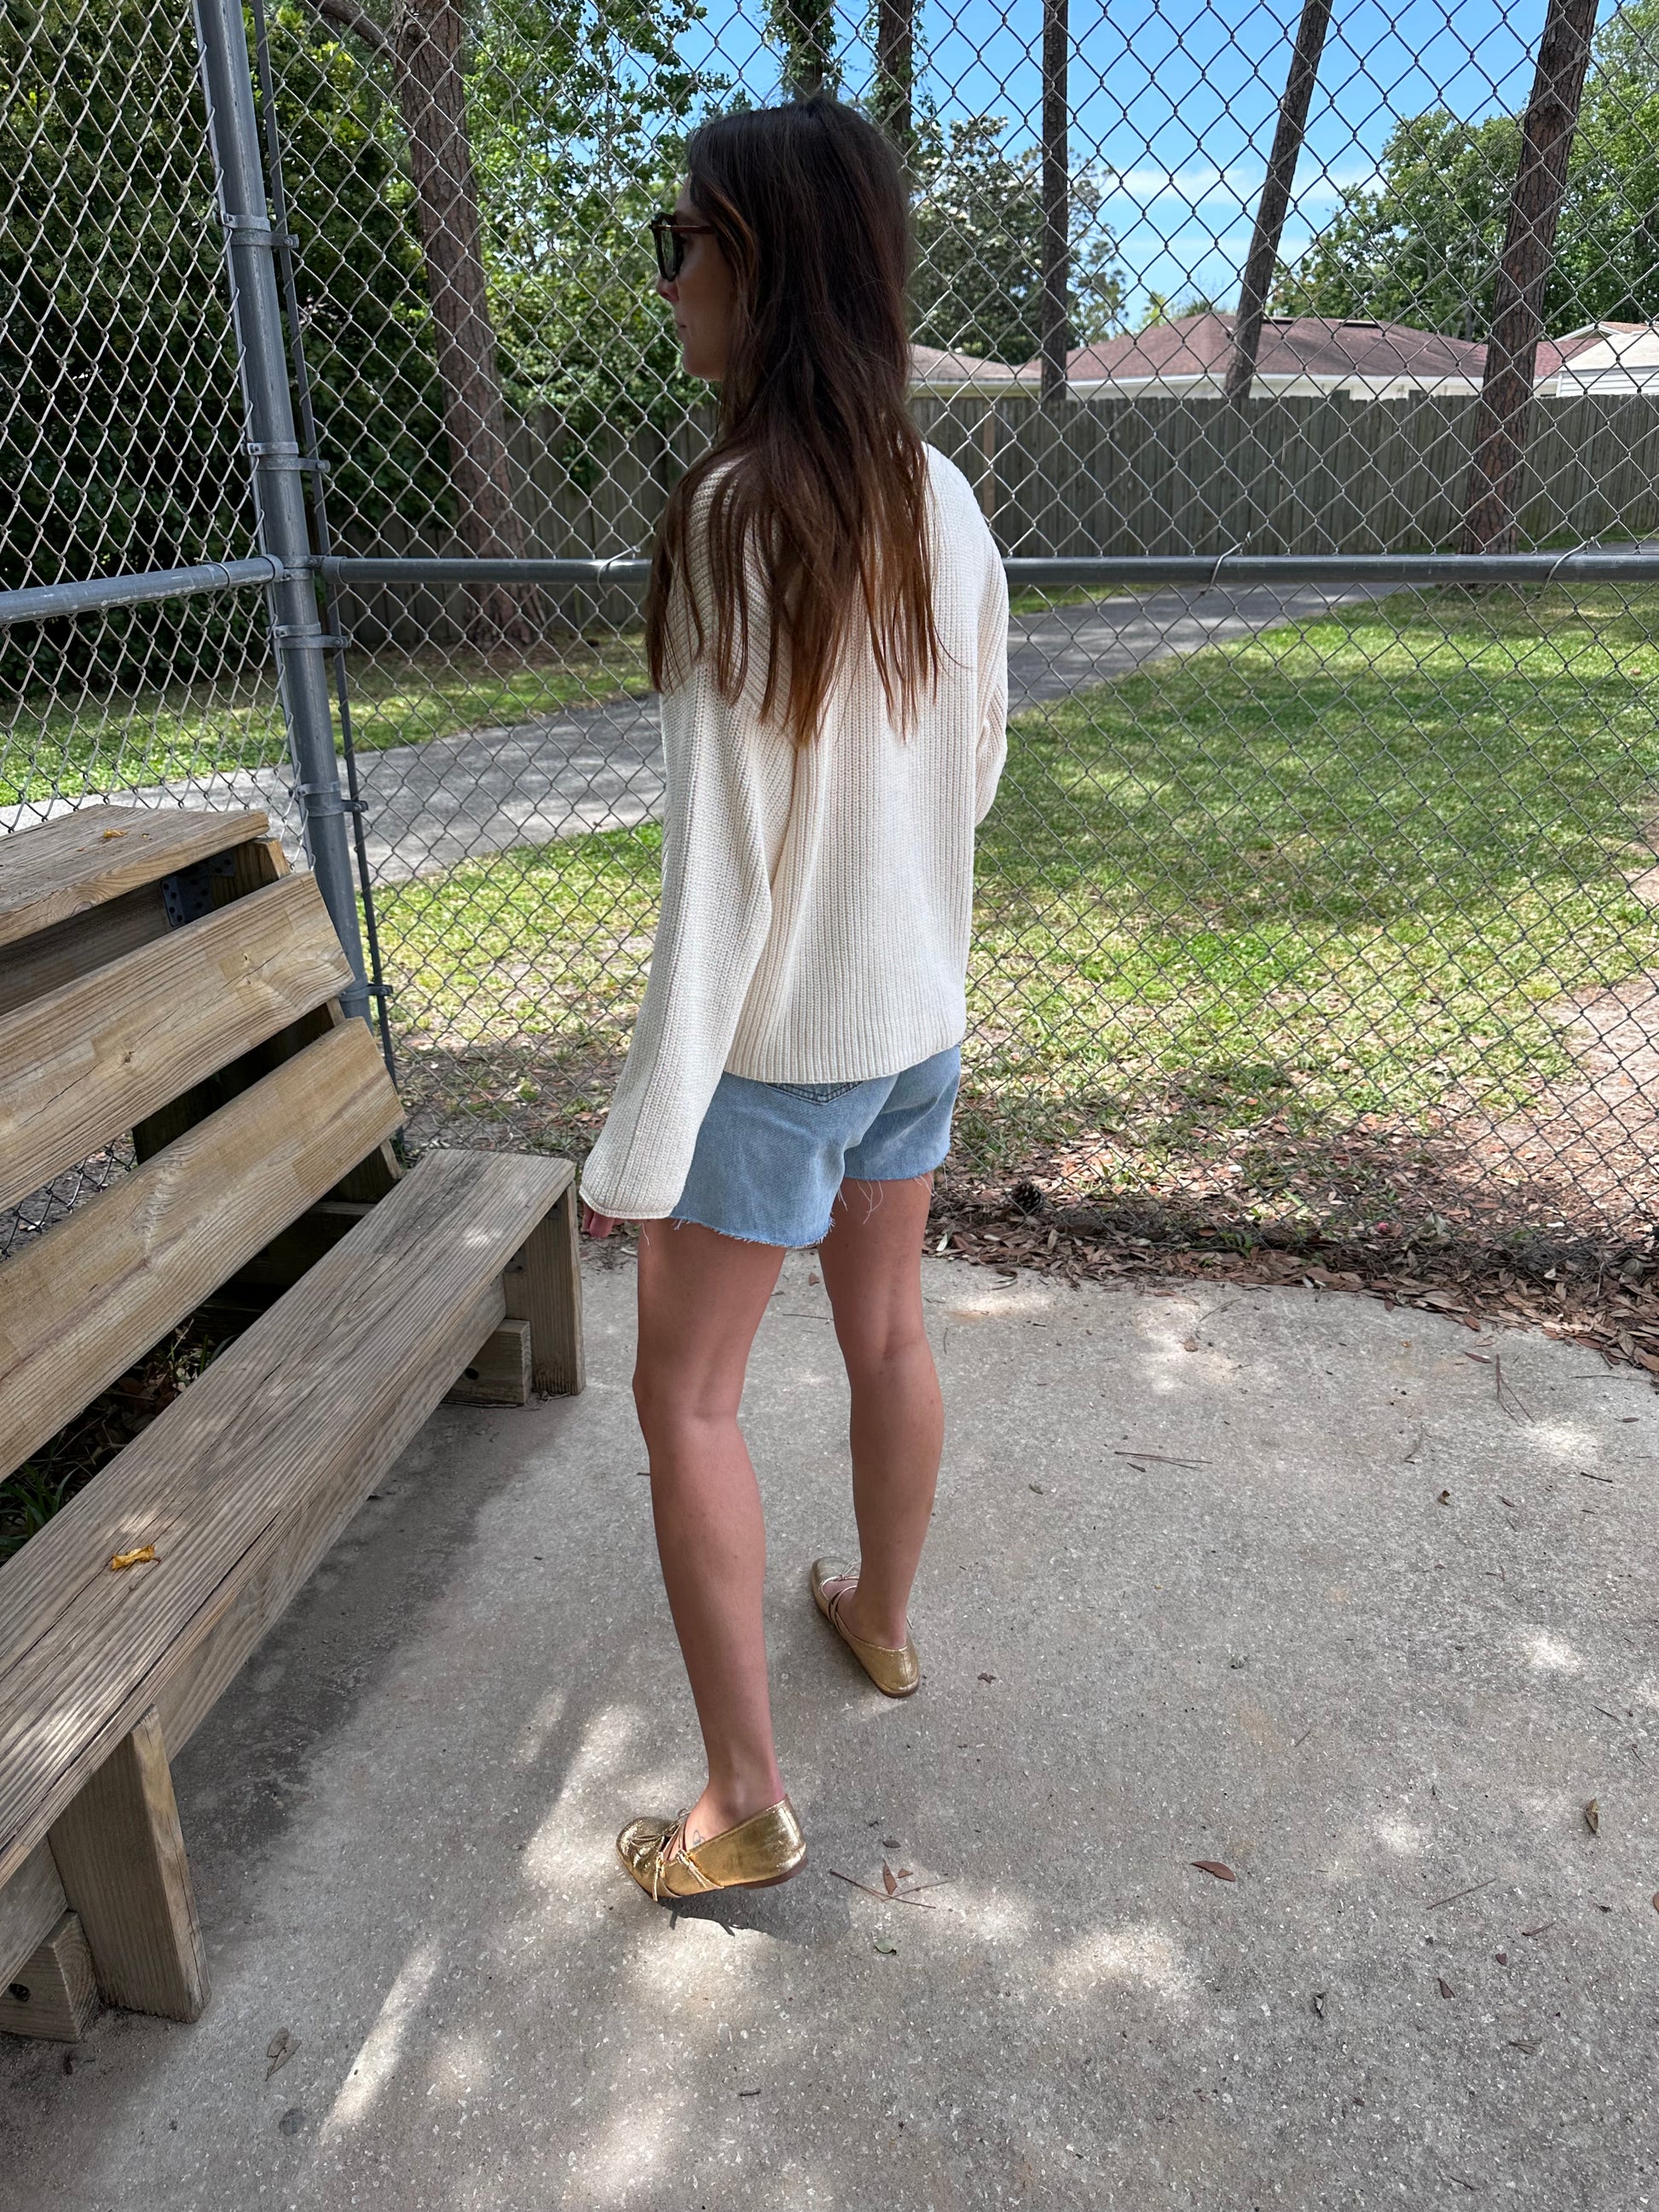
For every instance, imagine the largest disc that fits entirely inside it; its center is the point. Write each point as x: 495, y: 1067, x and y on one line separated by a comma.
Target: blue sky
x: 1179, y: 98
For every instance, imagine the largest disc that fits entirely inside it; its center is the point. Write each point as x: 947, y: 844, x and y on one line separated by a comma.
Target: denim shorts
x: 771, y: 1157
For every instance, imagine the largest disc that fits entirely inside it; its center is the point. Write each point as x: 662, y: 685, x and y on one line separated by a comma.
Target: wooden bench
x: 164, y: 974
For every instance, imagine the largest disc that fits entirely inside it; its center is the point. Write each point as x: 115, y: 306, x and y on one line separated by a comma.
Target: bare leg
x: 701, y: 1299
x: 871, y: 1263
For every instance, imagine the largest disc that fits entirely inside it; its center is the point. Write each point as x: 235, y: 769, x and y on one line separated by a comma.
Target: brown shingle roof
x: 1319, y: 348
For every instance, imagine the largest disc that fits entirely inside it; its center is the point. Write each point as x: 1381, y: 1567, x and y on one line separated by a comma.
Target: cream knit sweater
x: 816, y: 902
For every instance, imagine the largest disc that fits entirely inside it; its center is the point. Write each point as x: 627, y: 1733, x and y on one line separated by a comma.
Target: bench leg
x: 52, y: 1993
x: 121, y: 1857
x: 544, y: 1286
x: 499, y: 1374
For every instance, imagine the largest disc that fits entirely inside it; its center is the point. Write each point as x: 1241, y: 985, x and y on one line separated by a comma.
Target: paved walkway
x: 431, y: 805
x: 1269, y: 1578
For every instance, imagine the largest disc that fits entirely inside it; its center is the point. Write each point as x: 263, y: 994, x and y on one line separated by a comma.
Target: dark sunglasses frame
x: 669, y: 236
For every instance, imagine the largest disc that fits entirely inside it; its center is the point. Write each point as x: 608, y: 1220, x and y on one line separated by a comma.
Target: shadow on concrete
x: 1266, y: 1579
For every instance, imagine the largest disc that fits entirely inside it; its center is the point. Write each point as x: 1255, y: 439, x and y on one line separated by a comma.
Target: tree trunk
x: 1275, y: 201
x: 1056, y: 333
x: 1540, y: 178
x: 426, y: 46
x: 806, y: 31
x: 895, y: 26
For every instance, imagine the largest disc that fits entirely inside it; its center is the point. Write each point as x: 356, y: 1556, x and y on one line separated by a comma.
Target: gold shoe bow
x: 894, y: 1672
x: 759, y: 1851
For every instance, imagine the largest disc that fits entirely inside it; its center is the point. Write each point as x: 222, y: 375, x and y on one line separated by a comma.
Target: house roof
x: 1297, y: 352
x: 1309, y: 355
x: 1614, y: 359
x: 931, y: 370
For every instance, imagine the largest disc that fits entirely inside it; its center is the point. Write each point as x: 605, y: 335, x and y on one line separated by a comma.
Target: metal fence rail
x: 1319, y: 891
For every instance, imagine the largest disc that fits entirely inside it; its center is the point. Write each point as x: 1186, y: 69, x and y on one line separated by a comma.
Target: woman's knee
x: 879, y: 1347
x: 671, y: 1407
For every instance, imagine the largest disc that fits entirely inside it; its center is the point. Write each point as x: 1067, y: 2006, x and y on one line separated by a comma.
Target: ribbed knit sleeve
x: 716, y: 911
x: 991, y: 750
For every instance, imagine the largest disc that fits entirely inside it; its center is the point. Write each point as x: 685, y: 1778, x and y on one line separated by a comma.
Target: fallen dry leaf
x: 1189, y: 1344
x: 1593, y: 1816
x: 108, y: 833
x: 887, y: 1949
x: 988, y: 1678
x: 141, y: 1557
x: 1443, y: 1985
x: 889, y: 1880
x: 1214, y: 1866
x: 281, y: 2048
x: 1319, y: 2004
x: 1444, y: 1499
x: 1529, y: 2044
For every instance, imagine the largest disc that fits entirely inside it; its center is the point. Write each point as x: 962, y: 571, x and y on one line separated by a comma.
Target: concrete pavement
x: 1272, y: 1578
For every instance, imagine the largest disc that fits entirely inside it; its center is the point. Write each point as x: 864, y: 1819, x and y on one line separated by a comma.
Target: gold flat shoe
x: 766, y: 1849
x: 895, y: 1672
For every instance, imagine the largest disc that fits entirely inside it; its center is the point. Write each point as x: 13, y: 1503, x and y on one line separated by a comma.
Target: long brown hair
x: 819, y: 479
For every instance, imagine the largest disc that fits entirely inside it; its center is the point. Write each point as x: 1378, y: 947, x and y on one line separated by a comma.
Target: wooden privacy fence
x: 1321, y: 475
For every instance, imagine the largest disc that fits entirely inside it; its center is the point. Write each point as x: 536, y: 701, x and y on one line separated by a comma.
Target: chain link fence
x: 1291, y: 355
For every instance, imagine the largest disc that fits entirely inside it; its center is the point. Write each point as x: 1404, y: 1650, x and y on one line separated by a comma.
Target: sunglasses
x: 670, y: 234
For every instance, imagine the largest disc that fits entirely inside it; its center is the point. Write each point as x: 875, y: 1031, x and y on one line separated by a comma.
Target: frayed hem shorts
x: 771, y: 1157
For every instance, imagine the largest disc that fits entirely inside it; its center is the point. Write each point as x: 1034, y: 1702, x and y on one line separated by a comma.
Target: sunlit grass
x: 107, y: 741
x: 1346, y: 869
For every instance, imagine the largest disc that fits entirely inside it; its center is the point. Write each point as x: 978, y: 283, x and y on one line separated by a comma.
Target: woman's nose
x: 668, y: 288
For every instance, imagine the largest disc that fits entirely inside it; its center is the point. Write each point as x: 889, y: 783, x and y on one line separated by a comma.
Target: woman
x: 827, y: 626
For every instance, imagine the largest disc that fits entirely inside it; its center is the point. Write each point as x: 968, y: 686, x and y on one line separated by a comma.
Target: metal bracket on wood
x: 187, y: 893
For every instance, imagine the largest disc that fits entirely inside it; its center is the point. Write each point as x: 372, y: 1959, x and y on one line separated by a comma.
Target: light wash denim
x: 771, y: 1157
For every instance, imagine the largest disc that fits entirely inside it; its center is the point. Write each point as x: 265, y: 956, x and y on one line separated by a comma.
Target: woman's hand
x: 596, y: 1224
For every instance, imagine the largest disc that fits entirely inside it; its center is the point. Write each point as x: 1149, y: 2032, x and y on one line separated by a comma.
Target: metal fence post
x: 297, y: 633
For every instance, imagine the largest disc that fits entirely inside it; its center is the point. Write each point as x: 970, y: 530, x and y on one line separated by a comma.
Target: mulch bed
x: 1545, y: 1219
x: 1575, y: 1288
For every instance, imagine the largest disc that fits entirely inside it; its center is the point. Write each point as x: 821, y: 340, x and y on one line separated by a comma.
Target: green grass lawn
x: 233, y: 721
x: 107, y: 741
x: 1342, y: 871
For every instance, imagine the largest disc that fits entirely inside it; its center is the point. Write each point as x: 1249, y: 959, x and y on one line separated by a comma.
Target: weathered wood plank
x: 85, y: 859
x: 261, y: 861
x: 79, y: 1066
x: 544, y: 1285
x: 52, y: 1993
x: 339, y: 1374
x: 31, y: 1905
x: 278, y: 1566
x: 498, y: 1373
x: 280, y: 1264
x: 99, y: 1290
x: 54, y: 957
x: 120, y: 1854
